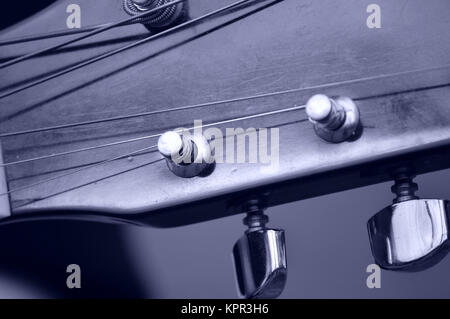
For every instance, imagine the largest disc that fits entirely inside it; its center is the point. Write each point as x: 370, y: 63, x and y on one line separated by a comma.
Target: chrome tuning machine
x: 260, y: 257
x: 412, y: 233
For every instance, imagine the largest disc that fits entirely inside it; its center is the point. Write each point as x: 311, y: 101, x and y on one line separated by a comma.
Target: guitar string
x: 321, y: 86
x: 242, y: 118
x: 134, y: 153
x: 88, y: 35
x: 54, y: 34
x: 124, y: 48
x: 75, y: 186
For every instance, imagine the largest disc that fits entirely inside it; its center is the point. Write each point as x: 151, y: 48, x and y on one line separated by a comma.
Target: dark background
x: 327, y: 248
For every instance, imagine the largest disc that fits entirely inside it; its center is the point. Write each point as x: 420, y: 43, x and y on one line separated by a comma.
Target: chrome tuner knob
x: 158, y: 19
x: 260, y: 258
x: 412, y: 233
x: 186, y: 155
x: 335, y: 120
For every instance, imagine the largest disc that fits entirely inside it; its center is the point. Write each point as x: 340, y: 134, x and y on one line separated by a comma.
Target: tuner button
x: 318, y: 107
x: 410, y: 235
x: 186, y: 155
x: 260, y: 257
x: 335, y: 120
x: 260, y: 263
x: 141, y: 2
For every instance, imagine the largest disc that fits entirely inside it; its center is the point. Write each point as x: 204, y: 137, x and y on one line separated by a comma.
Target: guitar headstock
x: 263, y: 102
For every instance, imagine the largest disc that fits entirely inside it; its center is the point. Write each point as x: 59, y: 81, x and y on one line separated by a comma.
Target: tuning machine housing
x: 412, y: 234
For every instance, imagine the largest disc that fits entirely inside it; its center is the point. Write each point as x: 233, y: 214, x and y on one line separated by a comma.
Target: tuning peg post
x: 411, y: 234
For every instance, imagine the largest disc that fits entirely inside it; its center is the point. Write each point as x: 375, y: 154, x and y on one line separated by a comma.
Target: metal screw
x: 255, y: 219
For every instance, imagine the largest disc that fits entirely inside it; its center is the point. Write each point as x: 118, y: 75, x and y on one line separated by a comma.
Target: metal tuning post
x: 335, y: 120
x: 5, y: 207
x: 160, y: 19
x: 260, y: 257
x: 186, y: 155
x: 412, y: 233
